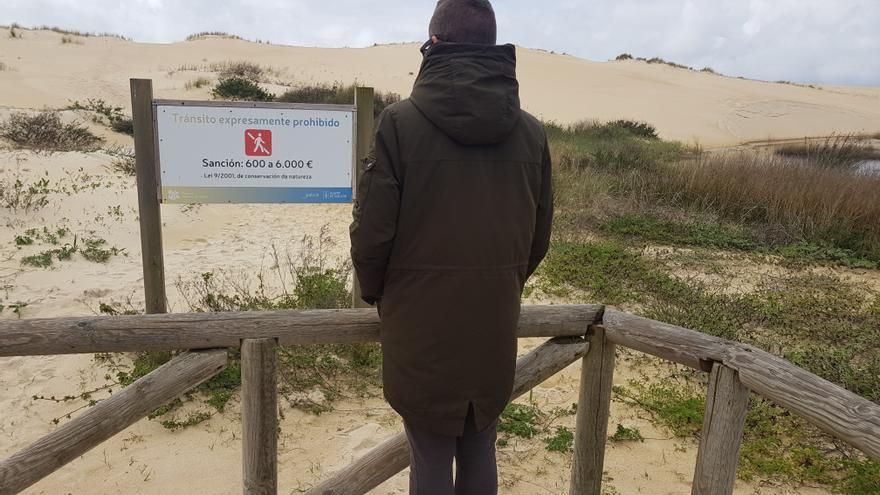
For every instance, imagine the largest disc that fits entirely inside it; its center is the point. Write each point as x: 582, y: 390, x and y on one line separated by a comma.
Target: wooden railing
x: 587, y: 332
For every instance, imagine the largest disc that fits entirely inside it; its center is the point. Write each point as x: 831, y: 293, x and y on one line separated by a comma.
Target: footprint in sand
x: 363, y: 438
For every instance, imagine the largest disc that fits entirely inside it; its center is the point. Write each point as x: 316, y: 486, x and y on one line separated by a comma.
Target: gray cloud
x: 799, y: 40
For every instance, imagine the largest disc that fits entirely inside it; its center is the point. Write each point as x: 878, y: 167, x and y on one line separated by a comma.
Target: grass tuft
x: 46, y: 131
x: 197, y: 83
x: 835, y: 151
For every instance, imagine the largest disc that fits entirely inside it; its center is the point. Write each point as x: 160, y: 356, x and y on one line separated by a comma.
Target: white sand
x: 146, y: 458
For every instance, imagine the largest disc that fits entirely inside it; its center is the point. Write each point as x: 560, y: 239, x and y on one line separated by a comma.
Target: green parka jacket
x: 452, y: 215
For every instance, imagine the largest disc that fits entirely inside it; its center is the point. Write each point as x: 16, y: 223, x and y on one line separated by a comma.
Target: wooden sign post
x: 148, y: 196
x: 363, y: 100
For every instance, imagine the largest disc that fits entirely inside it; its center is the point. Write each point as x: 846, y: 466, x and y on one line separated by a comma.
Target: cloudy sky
x: 821, y: 41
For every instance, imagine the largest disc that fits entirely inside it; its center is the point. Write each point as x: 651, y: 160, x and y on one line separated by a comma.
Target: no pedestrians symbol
x: 258, y: 142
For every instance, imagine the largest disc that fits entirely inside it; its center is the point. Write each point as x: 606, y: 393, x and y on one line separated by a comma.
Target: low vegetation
x: 791, y: 200
x: 92, y: 249
x: 124, y: 162
x: 622, y: 195
x: 527, y: 421
x: 311, y: 378
x: 241, y: 82
x: 241, y: 70
x: 842, y: 151
x: 20, y: 195
x: 658, y: 60
x: 45, y: 131
x: 212, y: 34
x: 106, y: 114
x: 197, y: 83
x: 773, y: 202
x: 625, y: 434
x: 15, y: 31
x: 336, y: 93
x: 241, y: 89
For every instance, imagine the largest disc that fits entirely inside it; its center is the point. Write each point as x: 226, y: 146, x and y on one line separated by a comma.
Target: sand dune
x: 43, y: 72
x: 684, y: 105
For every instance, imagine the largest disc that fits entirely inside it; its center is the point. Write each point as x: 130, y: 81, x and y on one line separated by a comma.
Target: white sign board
x: 213, y: 152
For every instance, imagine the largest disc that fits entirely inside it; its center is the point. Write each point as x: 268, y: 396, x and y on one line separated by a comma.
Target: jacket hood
x: 469, y: 91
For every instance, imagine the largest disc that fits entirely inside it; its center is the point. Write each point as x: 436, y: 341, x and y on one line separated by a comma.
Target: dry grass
x: 606, y: 171
x: 47, y: 132
x: 70, y: 40
x: 806, y: 200
x: 197, y: 83
x: 835, y: 151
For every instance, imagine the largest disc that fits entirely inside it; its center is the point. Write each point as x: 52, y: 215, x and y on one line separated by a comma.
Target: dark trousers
x: 431, y: 461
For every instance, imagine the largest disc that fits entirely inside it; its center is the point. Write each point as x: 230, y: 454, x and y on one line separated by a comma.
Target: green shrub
x: 337, y: 94
x: 561, y: 441
x: 46, y: 131
x: 677, y: 408
x: 638, y: 129
x: 123, y: 126
x: 624, y: 434
x: 18, y: 195
x: 520, y: 420
x: 39, y: 260
x: 23, y: 240
x: 624, y: 56
x: 248, y: 71
x: 106, y: 114
x: 96, y: 253
x: 237, y: 88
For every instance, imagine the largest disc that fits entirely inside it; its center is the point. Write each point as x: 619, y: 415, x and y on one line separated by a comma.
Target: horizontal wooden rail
x: 833, y: 409
x: 107, y: 418
x: 80, y: 335
x: 392, y: 456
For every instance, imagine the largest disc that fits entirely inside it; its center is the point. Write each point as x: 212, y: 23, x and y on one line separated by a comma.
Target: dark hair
x: 464, y: 21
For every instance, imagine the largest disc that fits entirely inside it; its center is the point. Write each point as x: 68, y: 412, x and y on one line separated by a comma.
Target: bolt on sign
x: 224, y: 152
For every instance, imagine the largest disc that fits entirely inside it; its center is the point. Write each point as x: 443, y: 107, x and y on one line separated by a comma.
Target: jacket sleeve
x: 544, y: 216
x: 375, y: 211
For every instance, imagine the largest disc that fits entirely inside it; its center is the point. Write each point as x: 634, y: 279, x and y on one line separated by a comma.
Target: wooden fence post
x: 727, y: 402
x: 363, y: 100
x: 597, y: 371
x: 259, y: 417
x: 146, y: 164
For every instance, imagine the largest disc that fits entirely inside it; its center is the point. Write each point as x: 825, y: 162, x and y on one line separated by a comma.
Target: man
x: 452, y: 215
